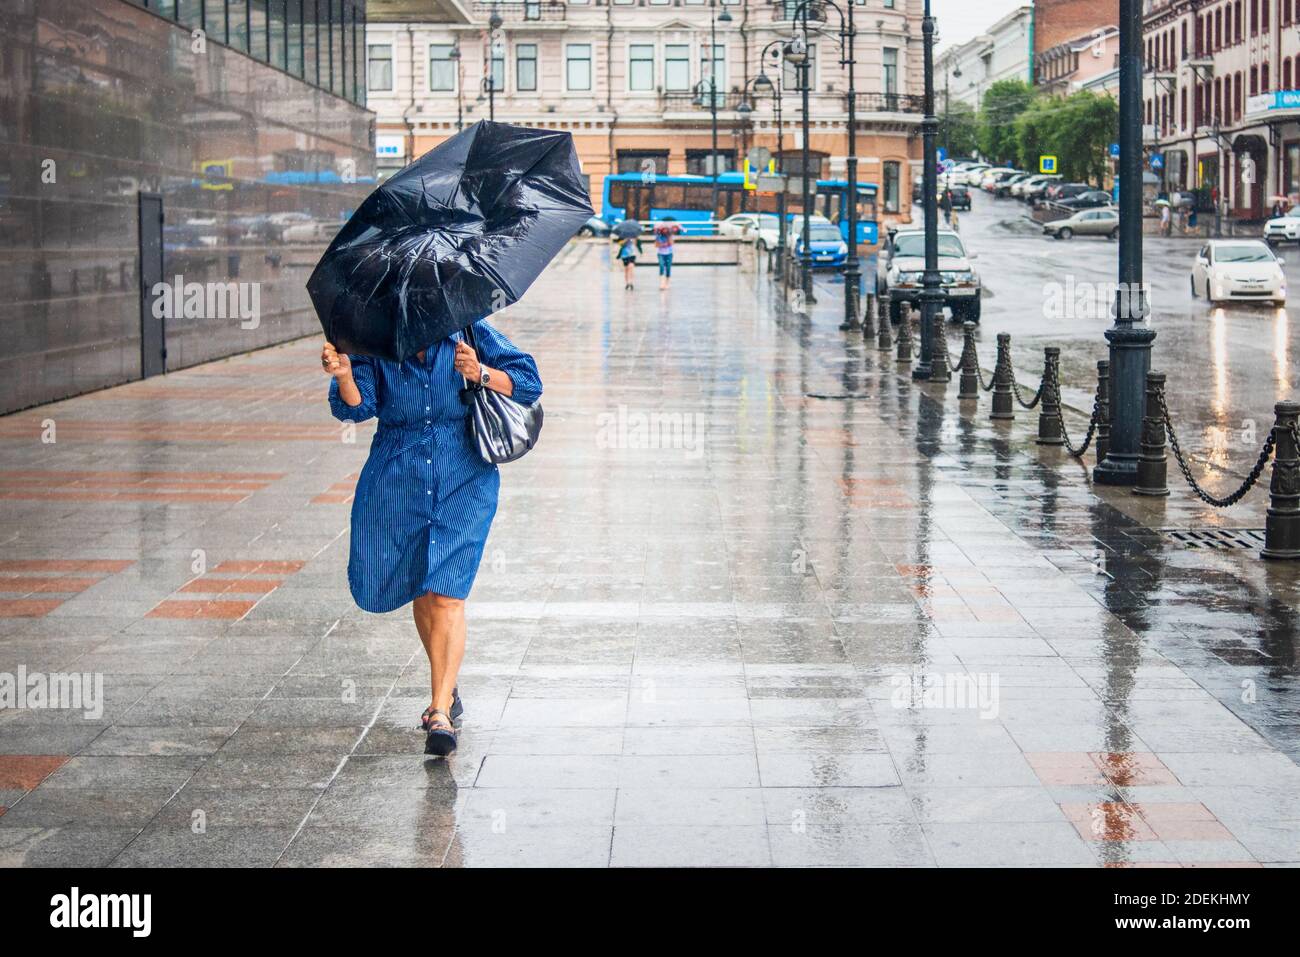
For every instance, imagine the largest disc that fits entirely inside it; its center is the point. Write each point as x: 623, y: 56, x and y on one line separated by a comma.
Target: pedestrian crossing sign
x: 1047, y: 164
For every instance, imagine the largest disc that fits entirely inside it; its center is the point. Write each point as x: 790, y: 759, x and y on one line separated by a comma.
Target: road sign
x: 941, y: 153
x: 1114, y: 150
x: 1157, y: 160
x: 751, y: 171
x: 794, y: 186
x: 769, y: 183
x: 759, y: 156
x: 1047, y: 163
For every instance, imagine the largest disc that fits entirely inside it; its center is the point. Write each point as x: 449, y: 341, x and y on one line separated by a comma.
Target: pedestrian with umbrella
x: 628, y: 236
x: 402, y: 293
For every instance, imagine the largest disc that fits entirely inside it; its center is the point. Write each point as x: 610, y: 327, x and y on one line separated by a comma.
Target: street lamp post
x: 723, y: 17
x: 494, y: 24
x: 851, y: 272
x: 795, y: 52
x: 760, y: 83
x: 931, y: 282
x: 1130, y: 346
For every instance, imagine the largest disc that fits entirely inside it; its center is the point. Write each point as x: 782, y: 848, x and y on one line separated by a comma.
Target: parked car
x: 1088, y: 199
x: 972, y: 174
x: 825, y: 243
x: 1238, y: 269
x: 594, y: 227
x: 1283, y: 228
x: 902, y: 260
x: 994, y: 176
x: 768, y: 231
x: 1034, y: 189
x: 1086, y: 222
x: 960, y: 197
x: 1056, y: 192
x: 1005, y: 186
x: 738, y: 225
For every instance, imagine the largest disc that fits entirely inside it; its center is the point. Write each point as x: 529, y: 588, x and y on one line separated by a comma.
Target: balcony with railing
x: 519, y: 11
x: 786, y: 11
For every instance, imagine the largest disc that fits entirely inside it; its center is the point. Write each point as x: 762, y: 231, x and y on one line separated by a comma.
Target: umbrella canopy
x: 627, y: 229
x: 460, y: 233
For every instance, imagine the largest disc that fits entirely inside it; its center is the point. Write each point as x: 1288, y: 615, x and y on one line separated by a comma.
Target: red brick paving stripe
x: 173, y: 608
x: 255, y: 566
x: 112, y: 566
x: 22, y: 772
x: 25, y: 585
x: 249, y: 586
x: 28, y: 607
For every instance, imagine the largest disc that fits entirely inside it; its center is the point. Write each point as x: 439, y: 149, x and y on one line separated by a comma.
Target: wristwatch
x: 483, y: 376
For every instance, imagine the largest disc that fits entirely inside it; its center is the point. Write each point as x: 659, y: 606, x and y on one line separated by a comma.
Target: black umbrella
x: 628, y: 229
x: 460, y: 233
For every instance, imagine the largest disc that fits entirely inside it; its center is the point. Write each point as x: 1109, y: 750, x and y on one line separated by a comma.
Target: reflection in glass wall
x: 103, y: 102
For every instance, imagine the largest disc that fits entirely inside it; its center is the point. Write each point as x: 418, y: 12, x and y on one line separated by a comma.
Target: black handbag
x: 499, y: 427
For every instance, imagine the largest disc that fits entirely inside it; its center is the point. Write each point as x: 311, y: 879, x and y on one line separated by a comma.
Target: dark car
x: 960, y: 197
x: 1091, y: 199
x: 594, y: 227
x: 1058, y: 192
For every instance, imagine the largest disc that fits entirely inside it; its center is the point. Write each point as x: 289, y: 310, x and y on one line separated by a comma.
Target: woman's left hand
x: 466, y: 362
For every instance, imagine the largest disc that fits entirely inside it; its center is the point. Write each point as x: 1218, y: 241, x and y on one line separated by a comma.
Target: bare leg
x: 441, y: 623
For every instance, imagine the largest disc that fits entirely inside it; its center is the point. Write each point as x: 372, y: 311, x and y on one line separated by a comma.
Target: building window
x: 889, y: 77
x: 497, y: 67
x: 257, y: 29
x: 577, y: 66
x: 792, y: 77
x: 641, y: 66
x: 526, y: 67
x: 677, y: 66
x: 442, y: 68
x: 643, y: 161
x: 715, y: 72
x: 892, y: 178
x: 380, y: 73
x: 698, y: 162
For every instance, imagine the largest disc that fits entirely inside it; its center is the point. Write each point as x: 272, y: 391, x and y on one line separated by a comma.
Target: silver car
x: 1086, y: 222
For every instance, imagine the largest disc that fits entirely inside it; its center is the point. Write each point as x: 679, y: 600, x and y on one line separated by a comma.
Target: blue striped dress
x: 425, y: 499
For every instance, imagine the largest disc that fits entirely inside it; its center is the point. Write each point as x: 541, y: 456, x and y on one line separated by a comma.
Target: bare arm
x: 467, y: 364
x: 339, y: 366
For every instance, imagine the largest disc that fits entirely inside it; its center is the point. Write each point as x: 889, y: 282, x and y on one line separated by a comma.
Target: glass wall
x: 106, y: 101
x: 284, y: 33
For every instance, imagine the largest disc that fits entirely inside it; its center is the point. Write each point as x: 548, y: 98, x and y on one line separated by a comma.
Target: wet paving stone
x: 867, y: 631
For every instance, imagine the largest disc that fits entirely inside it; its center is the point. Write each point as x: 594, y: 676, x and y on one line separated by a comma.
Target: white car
x: 1238, y: 269
x: 972, y: 175
x: 991, y: 176
x: 768, y: 231
x: 738, y: 225
x: 1283, y: 228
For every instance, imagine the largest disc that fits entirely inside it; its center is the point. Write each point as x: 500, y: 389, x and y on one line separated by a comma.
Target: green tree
x: 1076, y: 130
x: 959, y: 129
x: 1002, y: 105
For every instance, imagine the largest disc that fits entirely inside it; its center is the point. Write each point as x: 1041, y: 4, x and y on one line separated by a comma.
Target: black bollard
x: 1153, y: 467
x: 1103, y: 408
x: 969, y: 386
x: 884, y: 342
x: 1002, y: 407
x: 869, y: 316
x: 905, y: 334
x: 940, y: 370
x: 1282, y: 526
x: 1050, y: 431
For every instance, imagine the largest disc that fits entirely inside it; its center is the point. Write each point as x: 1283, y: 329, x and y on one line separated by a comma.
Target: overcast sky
x: 959, y: 20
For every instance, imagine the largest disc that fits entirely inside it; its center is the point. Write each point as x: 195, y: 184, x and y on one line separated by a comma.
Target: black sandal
x: 441, y: 740
x: 456, y: 710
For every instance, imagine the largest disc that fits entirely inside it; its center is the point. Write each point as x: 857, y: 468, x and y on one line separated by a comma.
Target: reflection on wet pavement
x: 757, y: 598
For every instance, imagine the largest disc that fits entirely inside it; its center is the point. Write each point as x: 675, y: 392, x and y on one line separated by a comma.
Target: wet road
x: 755, y: 599
x: 1226, y: 365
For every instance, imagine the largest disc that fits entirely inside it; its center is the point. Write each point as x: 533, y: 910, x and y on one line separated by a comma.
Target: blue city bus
x: 689, y: 201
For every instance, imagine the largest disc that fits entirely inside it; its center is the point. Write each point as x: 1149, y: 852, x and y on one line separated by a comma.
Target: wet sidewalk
x: 755, y: 599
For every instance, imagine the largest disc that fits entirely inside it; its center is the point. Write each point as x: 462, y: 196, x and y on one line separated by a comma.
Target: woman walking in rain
x: 627, y: 250
x: 664, y: 233
x: 426, y: 499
